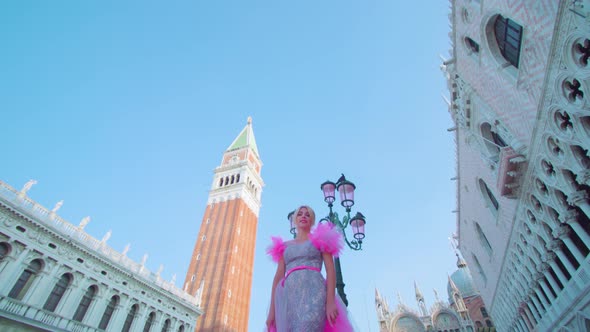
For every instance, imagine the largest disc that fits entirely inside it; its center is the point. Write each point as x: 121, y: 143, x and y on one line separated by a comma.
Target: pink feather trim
x: 327, y: 238
x: 276, y: 249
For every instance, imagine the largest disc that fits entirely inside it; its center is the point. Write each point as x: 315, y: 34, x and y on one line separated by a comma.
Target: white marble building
x: 519, y: 84
x: 56, y: 277
x: 440, y: 317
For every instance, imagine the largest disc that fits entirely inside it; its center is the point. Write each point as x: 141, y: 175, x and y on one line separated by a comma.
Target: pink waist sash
x: 296, y: 268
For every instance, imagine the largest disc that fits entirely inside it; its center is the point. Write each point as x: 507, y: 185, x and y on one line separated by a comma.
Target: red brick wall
x: 231, y: 224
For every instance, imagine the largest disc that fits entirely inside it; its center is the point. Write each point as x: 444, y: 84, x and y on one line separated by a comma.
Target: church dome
x: 463, y: 280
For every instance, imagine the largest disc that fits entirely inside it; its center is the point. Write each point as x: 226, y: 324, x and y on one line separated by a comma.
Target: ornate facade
x: 519, y: 85
x: 464, y: 312
x: 223, y: 257
x: 440, y: 317
x: 56, y: 277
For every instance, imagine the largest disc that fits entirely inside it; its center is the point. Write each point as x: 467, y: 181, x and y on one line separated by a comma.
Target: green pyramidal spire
x: 245, y: 139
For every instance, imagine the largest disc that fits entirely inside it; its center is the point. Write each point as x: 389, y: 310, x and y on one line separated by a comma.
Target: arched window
x: 25, y: 280
x: 226, y: 180
x: 149, y: 322
x: 58, y: 291
x: 233, y: 178
x: 508, y: 38
x: 108, y: 312
x: 181, y: 328
x: 85, y: 303
x: 166, y: 326
x: 221, y: 182
x: 488, y: 196
x: 483, y: 240
x: 492, y: 140
x: 238, y: 178
x: 4, y: 250
x: 129, y: 319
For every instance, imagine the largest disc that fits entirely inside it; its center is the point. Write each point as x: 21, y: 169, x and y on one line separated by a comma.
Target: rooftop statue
x: 84, y: 222
x: 57, y: 206
x: 106, y: 237
x: 126, y: 249
x: 27, y: 186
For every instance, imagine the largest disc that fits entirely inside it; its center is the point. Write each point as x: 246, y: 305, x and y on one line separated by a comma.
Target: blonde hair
x: 309, y: 209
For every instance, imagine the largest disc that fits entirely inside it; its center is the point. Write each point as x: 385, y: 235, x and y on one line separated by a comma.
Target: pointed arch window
x: 25, y: 280
x: 108, y: 312
x: 480, y: 269
x: 130, y: 318
x: 509, y: 38
x: 149, y: 322
x: 85, y: 303
x: 488, y: 196
x: 58, y: 291
x: 483, y: 240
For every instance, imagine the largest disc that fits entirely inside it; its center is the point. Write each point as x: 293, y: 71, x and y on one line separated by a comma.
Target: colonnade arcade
x: 548, y: 259
x: 38, y: 281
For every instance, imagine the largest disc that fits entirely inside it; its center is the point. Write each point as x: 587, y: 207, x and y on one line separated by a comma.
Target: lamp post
x: 357, y: 222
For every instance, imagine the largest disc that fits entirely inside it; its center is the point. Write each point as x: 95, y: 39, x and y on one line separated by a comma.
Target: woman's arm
x: 331, y: 309
x: 270, y: 321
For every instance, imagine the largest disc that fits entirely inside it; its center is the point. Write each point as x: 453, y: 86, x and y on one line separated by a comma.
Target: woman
x: 301, y: 300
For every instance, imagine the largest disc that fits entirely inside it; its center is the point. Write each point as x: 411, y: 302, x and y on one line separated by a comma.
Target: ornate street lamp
x: 357, y: 223
x: 293, y: 228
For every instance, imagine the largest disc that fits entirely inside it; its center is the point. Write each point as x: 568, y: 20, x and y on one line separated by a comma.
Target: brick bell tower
x: 221, y: 266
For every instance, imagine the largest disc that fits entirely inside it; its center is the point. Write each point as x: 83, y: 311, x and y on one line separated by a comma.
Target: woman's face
x: 303, y: 218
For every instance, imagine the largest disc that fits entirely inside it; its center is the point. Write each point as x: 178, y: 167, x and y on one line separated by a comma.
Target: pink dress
x: 300, y: 297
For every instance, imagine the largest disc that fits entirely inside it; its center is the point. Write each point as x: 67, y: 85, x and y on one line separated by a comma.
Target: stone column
x: 571, y: 218
x: 544, y: 269
x: 8, y: 260
x: 563, y: 233
x: 549, y: 257
x: 580, y: 199
x: 533, y: 302
x: 71, y: 298
x: 13, y: 270
x: 140, y: 318
x: 48, y: 278
x: 120, y: 313
x: 95, y: 309
x: 541, y: 283
x: 521, y: 324
x: 158, y: 321
x: 527, y: 316
x: 555, y: 246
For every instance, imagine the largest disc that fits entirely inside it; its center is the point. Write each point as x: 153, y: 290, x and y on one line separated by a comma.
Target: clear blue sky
x: 123, y: 110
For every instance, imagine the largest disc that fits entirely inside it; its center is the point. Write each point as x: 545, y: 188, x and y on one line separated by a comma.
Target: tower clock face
x: 234, y: 159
